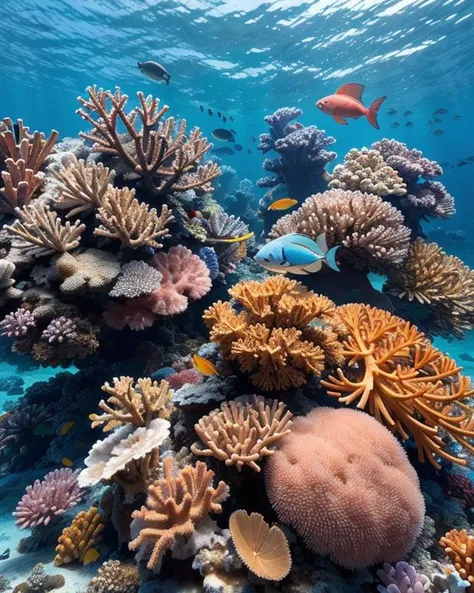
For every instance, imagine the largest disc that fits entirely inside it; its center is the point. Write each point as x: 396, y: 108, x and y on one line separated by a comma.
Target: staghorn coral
x: 459, y: 547
x: 160, y: 151
x: 136, y: 278
x: 119, y: 316
x: 123, y: 217
x: 83, y: 533
x: 345, y: 484
x: 404, y: 381
x: 366, y: 171
x: 17, y: 323
x: 59, y: 330
x: 49, y: 498
x: 115, y: 577
x: 43, y: 232
x: 20, y: 185
x: 370, y: 231
x: 83, y: 186
x: 133, y: 403
x: 243, y: 435
x: 175, y: 505
x: 411, y: 164
x: 284, y: 334
x: 441, y: 283
x: 402, y: 578
x: 94, y: 270
x: 17, y: 144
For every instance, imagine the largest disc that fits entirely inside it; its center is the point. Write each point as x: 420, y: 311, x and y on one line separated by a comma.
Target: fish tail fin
x: 373, y: 111
x: 330, y: 258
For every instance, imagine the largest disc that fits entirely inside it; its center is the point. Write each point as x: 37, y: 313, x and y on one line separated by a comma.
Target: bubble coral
x: 49, y: 498
x: 284, y: 334
x: 402, y: 578
x: 136, y: 279
x: 91, y: 271
x: 404, y: 381
x: 115, y: 576
x: 459, y: 547
x: 344, y: 483
x: 83, y: 533
x: 17, y: 323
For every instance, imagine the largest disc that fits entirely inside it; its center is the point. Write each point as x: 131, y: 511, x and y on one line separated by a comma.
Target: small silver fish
x: 154, y: 71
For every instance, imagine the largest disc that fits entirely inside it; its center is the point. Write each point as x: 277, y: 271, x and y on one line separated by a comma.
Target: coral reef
x: 17, y: 324
x: 411, y: 164
x: 60, y: 330
x: 136, y: 278
x: 40, y: 582
x: 459, y: 547
x: 113, y: 576
x: 93, y: 270
x: 402, y: 578
x: 82, y: 535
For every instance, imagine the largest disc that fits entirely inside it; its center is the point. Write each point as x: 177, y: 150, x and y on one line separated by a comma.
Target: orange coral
x: 285, y: 333
x: 407, y: 383
x: 459, y: 547
x: 83, y: 533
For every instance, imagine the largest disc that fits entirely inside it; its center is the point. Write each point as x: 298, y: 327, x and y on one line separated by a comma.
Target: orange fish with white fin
x: 346, y: 103
x: 204, y: 366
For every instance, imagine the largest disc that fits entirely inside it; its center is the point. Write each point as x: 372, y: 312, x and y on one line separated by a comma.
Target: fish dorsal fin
x: 351, y: 89
x: 322, y: 243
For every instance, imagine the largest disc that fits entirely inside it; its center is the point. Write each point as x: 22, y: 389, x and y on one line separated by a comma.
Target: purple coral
x: 278, y: 122
x: 410, y: 163
x: 58, y: 492
x: 59, y: 330
x: 402, y: 578
x: 209, y: 257
x: 222, y: 226
x: 432, y: 199
x: 17, y: 324
x: 22, y: 422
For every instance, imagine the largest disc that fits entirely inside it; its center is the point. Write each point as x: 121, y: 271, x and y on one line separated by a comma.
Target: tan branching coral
x: 459, y: 547
x: 20, y: 184
x: 370, y: 231
x: 155, y: 148
x: 43, y: 231
x: 33, y: 148
x: 83, y: 534
x: 243, y: 435
x: 442, y: 283
x: 284, y: 334
x: 83, y: 186
x: 123, y: 217
x: 175, y: 505
x: 133, y: 403
x: 366, y: 171
x: 113, y: 576
x: 404, y: 381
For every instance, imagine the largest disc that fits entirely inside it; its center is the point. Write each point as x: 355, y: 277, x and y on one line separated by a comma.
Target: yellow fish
x: 283, y: 204
x: 67, y: 462
x: 66, y: 427
x: 90, y: 556
x: 204, y: 366
x: 235, y: 240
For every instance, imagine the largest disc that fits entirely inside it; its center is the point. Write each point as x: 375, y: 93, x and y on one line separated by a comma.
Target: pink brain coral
x: 344, y: 483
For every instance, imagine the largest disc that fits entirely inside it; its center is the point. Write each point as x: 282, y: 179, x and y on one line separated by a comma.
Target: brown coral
x: 442, y: 283
x: 91, y: 271
x: 159, y: 150
x: 115, y: 576
x: 20, y: 184
x: 406, y: 383
x: 175, y: 505
x: 34, y: 149
x: 133, y: 403
x: 370, y: 231
x: 123, y: 217
x: 83, y: 534
x: 285, y: 333
x: 243, y: 435
x: 459, y: 547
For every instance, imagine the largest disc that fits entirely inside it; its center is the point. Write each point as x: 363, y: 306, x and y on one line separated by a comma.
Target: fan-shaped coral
x: 345, y: 484
x: 136, y: 279
x: 83, y: 533
x: 459, y: 547
x: 404, y: 381
x: 276, y: 339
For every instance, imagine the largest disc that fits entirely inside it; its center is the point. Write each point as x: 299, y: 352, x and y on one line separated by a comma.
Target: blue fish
x: 297, y: 254
x: 162, y: 373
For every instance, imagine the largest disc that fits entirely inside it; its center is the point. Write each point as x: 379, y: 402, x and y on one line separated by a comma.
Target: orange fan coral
x: 406, y: 382
x: 459, y: 547
x: 285, y: 333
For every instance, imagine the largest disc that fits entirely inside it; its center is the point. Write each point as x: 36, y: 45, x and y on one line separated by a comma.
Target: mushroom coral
x: 404, y: 381
x: 284, y: 334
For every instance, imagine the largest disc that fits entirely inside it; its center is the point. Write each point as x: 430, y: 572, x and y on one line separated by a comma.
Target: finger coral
x: 133, y: 403
x: 113, y: 576
x: 345, y: 484
x: 276, y: 338
x: 17, y: 144
x: 17, y: 323
x: 243, y: 435
x: 441, y: 283
x: 20, y: 185
x: 370, y: 231
x: 82, y: 535
x: 59, y: 330
x: 404, y: 381
x: 49, y: 498
x: 459, y: 547
x: 402, y: 578
x: 93, y: 270
x: 136, y: 279
x: 175, y: 505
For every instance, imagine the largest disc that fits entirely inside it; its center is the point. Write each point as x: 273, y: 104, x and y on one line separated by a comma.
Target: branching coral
x: 82, y: 535
x: 284, y: 334
x: 411, y: 164
x: 243, y: 435
x: 404, y: 381
x: 21, y: 144
x: 370, y: 231
x: 431, y: 200
x: 441, y: 283
x: 133, y: 403
x: 175, y: 505
x: 160, y: 151
x: 60, y: 330
x: 40, y: 582
x: 51, y: 497
x: 43, y: 231
x: 83, y: 186
x: 366, y: 171
x: 123, y: 217
x: 17, y: 323
x: 459, y: 547
x: 136, y: 279
x: 402, y: 578
x: 91, y: 271
x: 113, y: 576
x: 20, y: 184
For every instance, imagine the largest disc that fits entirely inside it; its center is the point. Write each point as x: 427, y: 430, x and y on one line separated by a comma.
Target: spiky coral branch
x: 32, y: 148
x: 20, y: 184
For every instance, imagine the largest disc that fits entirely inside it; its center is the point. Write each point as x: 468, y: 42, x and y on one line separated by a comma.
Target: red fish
x: 346, y: 103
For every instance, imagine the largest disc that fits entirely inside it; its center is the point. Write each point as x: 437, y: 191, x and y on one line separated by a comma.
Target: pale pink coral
x: 183, y: 377
x: 120, y: 316
x: 47, y: 499
x: 16, y: 324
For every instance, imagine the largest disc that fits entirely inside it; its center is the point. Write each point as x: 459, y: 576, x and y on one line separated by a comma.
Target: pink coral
x: 185, y: 276
x: 183, y: 377
x: 16, y: 324
x: 136, y: 318
x: 47, y: 499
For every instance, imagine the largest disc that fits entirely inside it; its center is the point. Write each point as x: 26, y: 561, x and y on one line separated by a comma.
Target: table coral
x: 113, y: 576
x: 175, y: 505
x: 93, y: 270
x: 404, y: 381
x: 284, y: 334
x: 83, y: 534
x: 459, y: 547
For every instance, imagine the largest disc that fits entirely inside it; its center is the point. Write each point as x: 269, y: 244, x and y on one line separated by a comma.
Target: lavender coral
x: 402, y: 578
x: 17, y: 324
x: 60, y: 330
x: 410, y: 163
x: 49, y: 498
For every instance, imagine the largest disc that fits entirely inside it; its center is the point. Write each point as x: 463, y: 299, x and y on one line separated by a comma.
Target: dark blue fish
x: 162, y: 373
x: 391, y: 111
x: 409, y: 124
x: 249, y: 151
x: 201, y: 108
x: 429, y: 122
x: 253, y: 138
x: 238, y: 147
x: 224, y: 119
x: 438, y: 132
x: 408, y: 113
x: 440, y: 111
x: 222, y: 150
x: 462, y: 163
x: 209, y: 111
x: 231, y: 118
x: 218, y: 114
x: 437, y: 120
x: 458, y: 117
x: 466, y: 357
x: 395, y: 125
